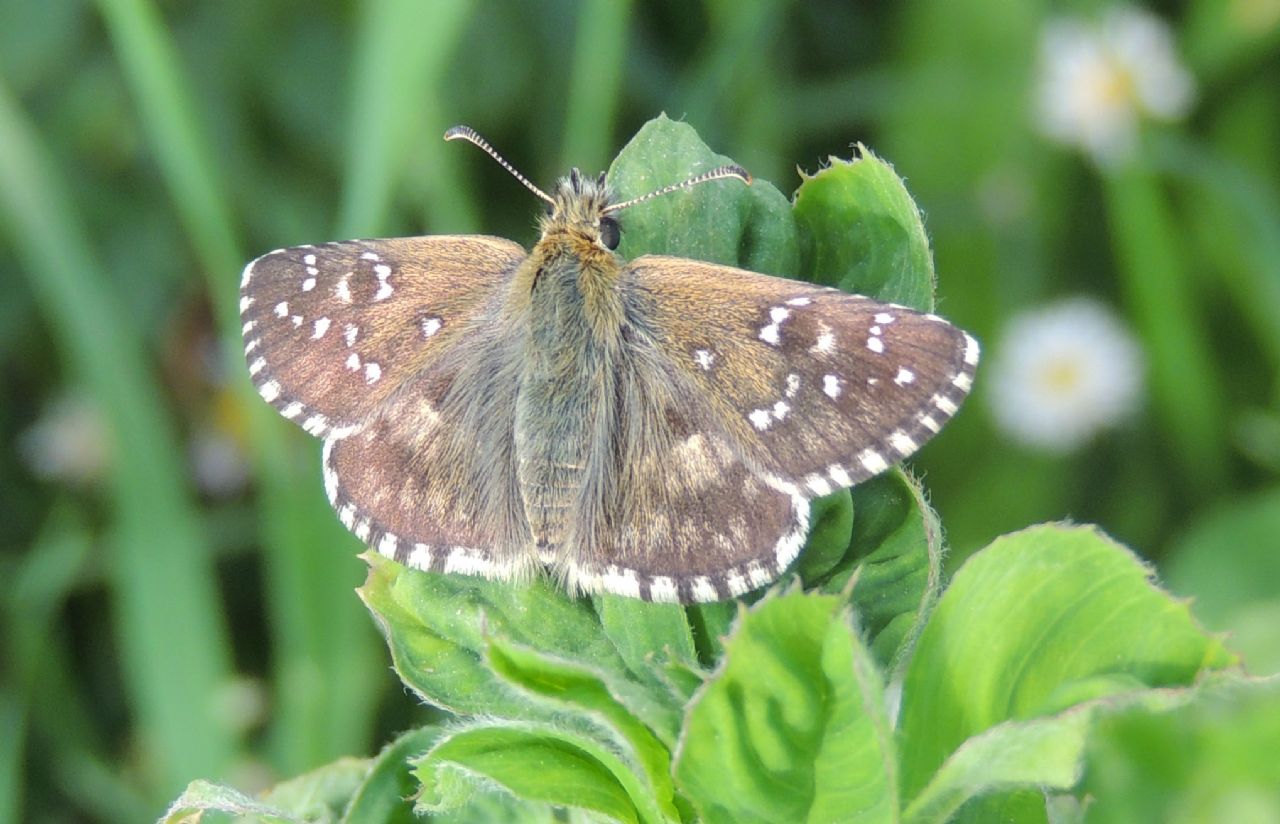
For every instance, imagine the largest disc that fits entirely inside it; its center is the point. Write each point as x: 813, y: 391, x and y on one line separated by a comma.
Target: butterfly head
x: 579, y: 206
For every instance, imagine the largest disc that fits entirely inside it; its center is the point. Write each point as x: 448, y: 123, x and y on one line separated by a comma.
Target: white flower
x: 68, y: 443
x: 1062, y: 373
x: 1098, y: 80
x: 218, y: 463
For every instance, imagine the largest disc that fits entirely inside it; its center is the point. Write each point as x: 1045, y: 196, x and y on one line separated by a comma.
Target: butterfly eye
x: 610, y: 233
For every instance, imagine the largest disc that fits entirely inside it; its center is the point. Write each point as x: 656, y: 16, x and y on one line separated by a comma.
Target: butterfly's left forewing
x: 330, y: 331
x: 817, y: 389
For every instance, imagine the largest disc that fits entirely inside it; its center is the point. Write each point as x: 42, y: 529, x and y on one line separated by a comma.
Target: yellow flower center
x: 1061, y: 376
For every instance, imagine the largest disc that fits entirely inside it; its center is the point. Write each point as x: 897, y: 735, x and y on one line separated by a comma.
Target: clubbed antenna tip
x: 472, y: 136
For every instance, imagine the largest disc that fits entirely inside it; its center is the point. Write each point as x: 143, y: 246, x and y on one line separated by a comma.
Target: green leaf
x: 896, y: 553
x: 1213, y: 759
x: 1228, y: 563
x: 1045, y: 753
x: 388, y: 783
x: 861, y: 231
x: 721, y: 222
x: 203, y: 796
x: 573, y: 688
x: 649, y: 637
x: 793, y: 725
x: 831, y: 519
x: 435, y: 625
x: 1036, y: 620
x: 323, y: 793
x: 540, y: 763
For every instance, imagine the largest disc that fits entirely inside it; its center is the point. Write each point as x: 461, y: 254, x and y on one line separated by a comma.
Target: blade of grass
x: 325, y: 650
x: 398, y: 69
x: 39, y: 585
x: 599, y: 51
x: 736, y: 74
x: 172, y: 640
x: 1158, y: 291
x: 1231, y: 200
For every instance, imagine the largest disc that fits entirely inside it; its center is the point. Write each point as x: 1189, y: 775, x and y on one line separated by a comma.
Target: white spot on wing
x: 383, y: 272
x: 962, y: 382
x: 702, y: 589
x: 309, y: 260
x: 929, y: 423
x: 945, y: 404
x: 818, y: 484
x: 245, y: 303
x: 387, y: 546
x: 902, y: 442
x: 343, y: 288
x: 760, y: 419
x: 420, y: 557
x: 970, y: 350
x: 322, y: 326
x: 885, y: 318
x: 621, y: 581
x: 736, y: 583
x: 353, y: 361
x: 257, y: 366
x: 780, y: 409
x: 316, y: 425
x: 308, y: 284
x: 801, y: 301
x: 282, y: 309
x: 904, y: 377
x: 793, y: 384
x: 663, y: 589
x: 826, y: 340
x: 875, y: 345
x: 873, y: 461
x: 370, y: 256
x: 269, y: 391
x: 837, y: 473
x: 349, y: 333
x: 704, y: 357
x: 430, y: 326
x: 831, y: 385
x: 372, y: 372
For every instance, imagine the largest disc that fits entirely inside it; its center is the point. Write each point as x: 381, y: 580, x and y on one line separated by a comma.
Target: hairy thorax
x: 570, y: 297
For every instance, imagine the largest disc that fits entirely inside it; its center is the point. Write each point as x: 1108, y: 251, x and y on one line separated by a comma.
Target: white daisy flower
x: 69, y: 442
x: 1062, y: 373
x: 1097, y: 81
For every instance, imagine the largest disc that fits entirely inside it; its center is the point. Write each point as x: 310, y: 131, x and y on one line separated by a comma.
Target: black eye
x: 610, y: 234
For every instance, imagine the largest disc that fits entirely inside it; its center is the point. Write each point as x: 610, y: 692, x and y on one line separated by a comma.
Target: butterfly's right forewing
x: 330, y: 331
x: 818, y: 389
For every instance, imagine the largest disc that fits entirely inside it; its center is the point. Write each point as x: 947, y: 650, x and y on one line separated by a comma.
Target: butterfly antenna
x: 469, y: 134
x: 719, y: 173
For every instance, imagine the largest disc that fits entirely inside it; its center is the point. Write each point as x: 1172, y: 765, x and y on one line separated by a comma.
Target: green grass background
x: 147, y: 150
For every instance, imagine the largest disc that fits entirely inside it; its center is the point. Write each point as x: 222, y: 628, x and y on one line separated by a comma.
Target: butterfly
x: 652, y: 428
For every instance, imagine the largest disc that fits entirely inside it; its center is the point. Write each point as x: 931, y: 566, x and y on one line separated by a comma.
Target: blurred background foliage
x: 177, y: 599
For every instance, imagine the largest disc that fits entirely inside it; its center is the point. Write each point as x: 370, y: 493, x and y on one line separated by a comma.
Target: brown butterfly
x: 652, y: 428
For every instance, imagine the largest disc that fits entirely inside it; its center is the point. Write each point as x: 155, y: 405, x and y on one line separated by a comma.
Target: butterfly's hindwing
x: 331, y: 330
x: 413, y: 484
x: 818, y: 388
x: 704, y: 529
